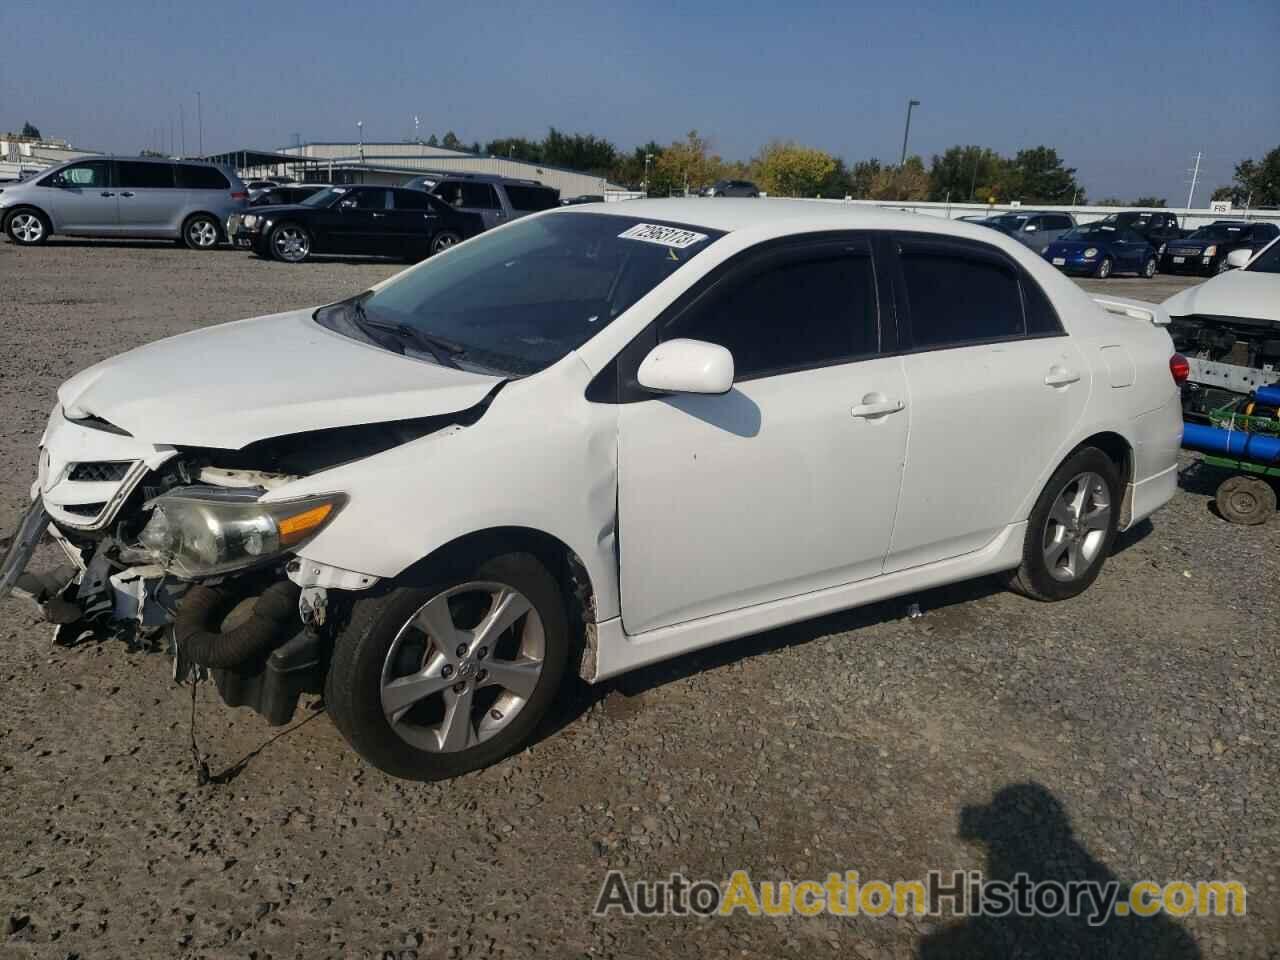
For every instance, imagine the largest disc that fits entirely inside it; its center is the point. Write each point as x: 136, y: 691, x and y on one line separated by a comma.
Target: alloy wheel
x: 27, y: 227
x: 291, y: 244
x: 463, y: 667
x: 1077, y: 528
x: 202, y: 233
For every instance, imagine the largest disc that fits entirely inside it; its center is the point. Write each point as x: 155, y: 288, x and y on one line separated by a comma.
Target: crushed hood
x: 1237, y: 293
x: 230, y: 385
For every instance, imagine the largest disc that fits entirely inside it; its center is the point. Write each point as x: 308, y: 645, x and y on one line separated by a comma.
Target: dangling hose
x: 196, y: 627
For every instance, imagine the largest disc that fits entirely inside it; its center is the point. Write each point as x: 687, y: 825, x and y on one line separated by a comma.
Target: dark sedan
x: 1205, y: 251
x: 1101, y: 249
x: 386, y: 221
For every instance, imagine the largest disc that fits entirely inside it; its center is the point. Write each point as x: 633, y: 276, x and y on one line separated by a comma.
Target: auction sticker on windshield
x: 666, y: 236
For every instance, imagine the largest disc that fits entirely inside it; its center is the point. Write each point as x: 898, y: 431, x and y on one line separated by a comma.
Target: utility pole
x: 182, y: 123
x: 1195, y: 175
x: 200, y: 122
x: 973, y: 183
x: 907, y: 132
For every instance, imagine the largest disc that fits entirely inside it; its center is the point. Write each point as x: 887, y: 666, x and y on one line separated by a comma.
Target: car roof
x: 740, y: 213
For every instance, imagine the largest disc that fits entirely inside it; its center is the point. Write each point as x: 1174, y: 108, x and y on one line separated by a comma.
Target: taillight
x: 239, y: 195
x: 1179, y: 368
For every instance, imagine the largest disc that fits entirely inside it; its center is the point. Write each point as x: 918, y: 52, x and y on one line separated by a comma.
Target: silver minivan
x: 187, y: 201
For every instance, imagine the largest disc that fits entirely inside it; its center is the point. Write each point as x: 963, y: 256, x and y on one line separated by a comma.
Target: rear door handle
x: 1060, y: 377
x: 876, y: 405
x: 127, y: 193
x: 378, y: 216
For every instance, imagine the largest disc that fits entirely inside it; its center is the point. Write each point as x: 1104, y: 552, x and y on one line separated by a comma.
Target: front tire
x: 1071, y: 528
x: 289, y: 243
x: 1104, y: 268
x: 443, y: 241
x: 200, y: 232
x: 28, y: 227
x: 428, y: 683
x: 1149, y: 268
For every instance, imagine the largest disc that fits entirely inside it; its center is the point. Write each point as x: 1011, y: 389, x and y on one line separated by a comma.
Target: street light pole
x: 647, y: 158
x: 360, y: 128
x: 200, y: 121
x: 907, y: 132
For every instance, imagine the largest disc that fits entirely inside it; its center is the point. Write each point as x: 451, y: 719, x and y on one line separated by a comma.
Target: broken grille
x: 101, y: 471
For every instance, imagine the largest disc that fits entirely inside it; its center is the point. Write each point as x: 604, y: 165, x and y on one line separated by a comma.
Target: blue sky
x: 1126, y: 91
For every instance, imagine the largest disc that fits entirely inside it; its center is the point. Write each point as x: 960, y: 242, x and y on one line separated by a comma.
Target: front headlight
x: 248, y: 220
x: 1091, y: 252
x: 1209, y: 251
x: 201, y: 531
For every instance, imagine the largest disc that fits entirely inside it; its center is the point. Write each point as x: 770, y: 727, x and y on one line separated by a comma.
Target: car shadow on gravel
x: 55, y: 243
x: 1026, y: 831
x: 578, y: 696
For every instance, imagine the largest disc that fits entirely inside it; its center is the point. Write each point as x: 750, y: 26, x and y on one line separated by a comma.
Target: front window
x: 95, y: 173
x: 517, y: 300
x: 324, y: 197
x: 1268, y: 261
x: 1009, y: 224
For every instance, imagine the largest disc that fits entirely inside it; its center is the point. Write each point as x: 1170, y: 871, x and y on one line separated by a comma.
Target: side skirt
x: 617, y: 652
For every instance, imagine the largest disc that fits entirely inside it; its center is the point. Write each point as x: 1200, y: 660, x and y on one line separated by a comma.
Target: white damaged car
x: 588, y: 441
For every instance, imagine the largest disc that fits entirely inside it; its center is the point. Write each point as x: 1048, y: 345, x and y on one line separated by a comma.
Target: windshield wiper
x: 442, y: 350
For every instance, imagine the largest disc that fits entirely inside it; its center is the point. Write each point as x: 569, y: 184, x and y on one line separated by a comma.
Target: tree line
x: 961, y: 174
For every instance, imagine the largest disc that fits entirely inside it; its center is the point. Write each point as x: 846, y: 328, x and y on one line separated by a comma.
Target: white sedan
x: 591, y: 440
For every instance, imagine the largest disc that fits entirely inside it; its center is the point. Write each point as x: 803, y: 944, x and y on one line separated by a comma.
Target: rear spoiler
x: 1136, y: 309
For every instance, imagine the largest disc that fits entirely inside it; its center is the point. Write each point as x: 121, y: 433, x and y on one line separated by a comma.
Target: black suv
x: 1205, y: 251
x: 1156, y: 228
x: 391, y: 221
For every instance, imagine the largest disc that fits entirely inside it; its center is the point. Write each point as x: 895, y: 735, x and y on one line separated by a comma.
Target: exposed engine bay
x: 1229, y: 357
x: 172, y: 549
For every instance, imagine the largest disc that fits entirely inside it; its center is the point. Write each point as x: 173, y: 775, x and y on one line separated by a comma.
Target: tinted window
x: 368, y: 199
x: 410, y: 200
x: 1265, y: 231
x: 95, y: 173
x: 958, y: 295
x: 531, y: 199
x: 192, y: 177
x: 1266, y: 262
x: 1059, y: 222
x: 144, y: 176
x: 803, y: 308
x: 1042, y: 319
x: 480, y: 196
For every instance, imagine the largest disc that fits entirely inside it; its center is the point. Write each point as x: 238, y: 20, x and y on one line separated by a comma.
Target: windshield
x: 517, y: 300
x: 1219, y: 231
x: 1092, y: 231
x: 324, y: 197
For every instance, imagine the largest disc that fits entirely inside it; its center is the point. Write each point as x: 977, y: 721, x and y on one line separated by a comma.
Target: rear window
x: 959, y: 295
x: 532, y: 199
x: 192, y: 177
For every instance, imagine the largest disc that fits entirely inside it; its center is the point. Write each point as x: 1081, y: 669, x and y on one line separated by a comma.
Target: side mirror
x: 1239, y: 258
x: 1030, y: 228
x: 347, y: 205
x: 687, y: 366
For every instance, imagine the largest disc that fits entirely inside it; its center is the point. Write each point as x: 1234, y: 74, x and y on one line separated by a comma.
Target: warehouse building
x: 394, y: 163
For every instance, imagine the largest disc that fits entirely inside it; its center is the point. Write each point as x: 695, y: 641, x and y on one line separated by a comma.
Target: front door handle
x: 107, y: 193
x: 378, y: 216
x: 1060, y: 377
x: 876, y: 405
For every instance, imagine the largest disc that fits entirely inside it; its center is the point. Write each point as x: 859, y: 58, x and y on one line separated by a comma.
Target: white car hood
x: 229, y: 385
x: 1238, y: 293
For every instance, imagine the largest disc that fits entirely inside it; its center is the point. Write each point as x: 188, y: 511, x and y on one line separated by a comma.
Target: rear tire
x: 1071, y: 528
x: 200, y: 232
x: 389, y: 690
x: 27, y: 227
x: 1246, y: 500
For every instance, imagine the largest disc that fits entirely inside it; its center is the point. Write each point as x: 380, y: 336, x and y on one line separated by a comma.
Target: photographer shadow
x: 1026, y: 830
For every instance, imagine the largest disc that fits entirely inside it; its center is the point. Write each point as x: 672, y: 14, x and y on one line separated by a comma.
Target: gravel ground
x: 1130, y: 733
